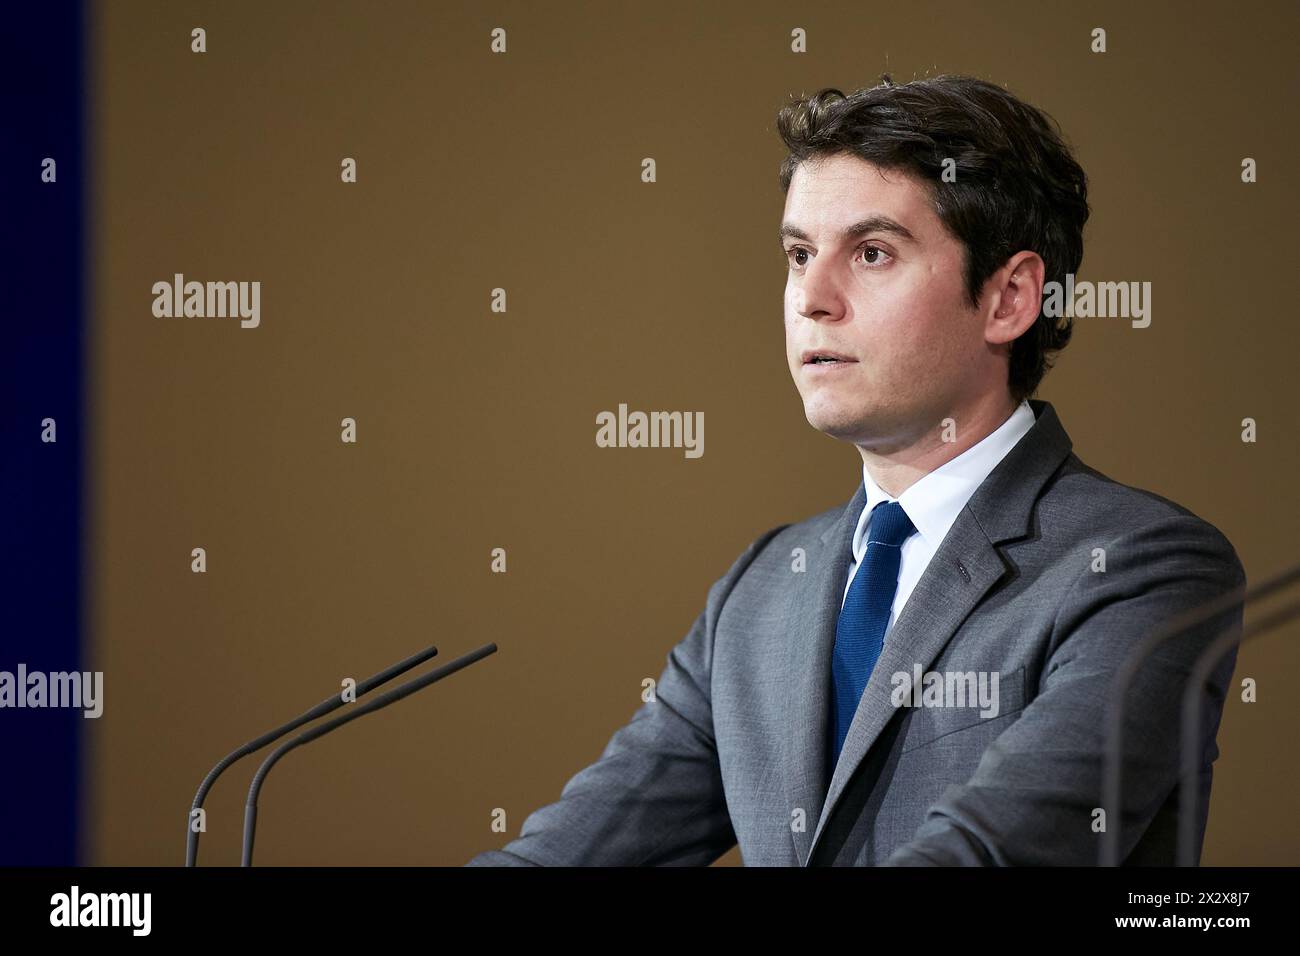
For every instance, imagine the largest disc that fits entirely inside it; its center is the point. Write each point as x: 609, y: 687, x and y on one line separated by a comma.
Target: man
x: 921, y: 677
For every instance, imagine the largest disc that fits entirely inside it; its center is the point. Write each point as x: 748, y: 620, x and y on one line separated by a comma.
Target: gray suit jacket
x: 734, y: 748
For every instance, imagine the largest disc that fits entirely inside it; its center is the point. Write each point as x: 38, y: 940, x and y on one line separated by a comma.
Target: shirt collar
x: 934, y: 501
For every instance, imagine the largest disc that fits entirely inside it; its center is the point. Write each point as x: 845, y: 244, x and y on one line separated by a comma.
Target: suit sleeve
x: 654, y: 797
x: 1032, y: 797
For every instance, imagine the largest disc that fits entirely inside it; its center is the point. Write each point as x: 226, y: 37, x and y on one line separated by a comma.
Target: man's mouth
x: 823, y: 357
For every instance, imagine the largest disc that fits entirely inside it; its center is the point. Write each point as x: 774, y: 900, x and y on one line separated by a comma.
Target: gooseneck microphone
x: 320, y: 730
x: 1225, y: 637
x: 1188, y: 798
x: 329, y: 704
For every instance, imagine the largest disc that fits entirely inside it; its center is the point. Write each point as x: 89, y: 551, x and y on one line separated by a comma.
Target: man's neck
x: 897, y: 470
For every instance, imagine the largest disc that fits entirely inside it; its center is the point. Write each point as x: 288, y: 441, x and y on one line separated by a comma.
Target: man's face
x: 875, y: 277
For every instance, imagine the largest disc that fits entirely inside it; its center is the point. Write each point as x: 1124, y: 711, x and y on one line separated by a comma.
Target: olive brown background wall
x: 476, y: 429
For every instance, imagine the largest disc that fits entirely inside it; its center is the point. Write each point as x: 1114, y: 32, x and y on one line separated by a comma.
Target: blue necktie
x: 860, y: 632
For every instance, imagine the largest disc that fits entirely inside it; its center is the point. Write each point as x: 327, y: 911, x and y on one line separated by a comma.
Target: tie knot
x: 889, y: 524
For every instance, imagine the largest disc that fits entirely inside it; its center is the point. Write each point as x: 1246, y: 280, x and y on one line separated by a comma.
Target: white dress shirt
x: 934, y: 502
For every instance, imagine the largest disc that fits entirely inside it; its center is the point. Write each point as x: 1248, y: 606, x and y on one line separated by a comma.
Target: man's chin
x: 844, y: 427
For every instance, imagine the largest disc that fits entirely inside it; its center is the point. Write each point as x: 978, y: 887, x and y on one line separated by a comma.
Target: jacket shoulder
x: 777, y: 542
x: 1084, y: 502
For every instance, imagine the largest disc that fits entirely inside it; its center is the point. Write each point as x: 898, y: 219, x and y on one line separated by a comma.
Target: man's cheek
x: 923, y: 336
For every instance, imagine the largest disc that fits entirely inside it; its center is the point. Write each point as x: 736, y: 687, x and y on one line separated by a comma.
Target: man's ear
x: 1016, y: 298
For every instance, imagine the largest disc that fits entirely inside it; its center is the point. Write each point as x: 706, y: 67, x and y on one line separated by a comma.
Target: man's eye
x: 871, y: 255
x: 869, y: 250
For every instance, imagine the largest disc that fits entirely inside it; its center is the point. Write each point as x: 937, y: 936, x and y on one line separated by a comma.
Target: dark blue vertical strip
x: 42, y: 299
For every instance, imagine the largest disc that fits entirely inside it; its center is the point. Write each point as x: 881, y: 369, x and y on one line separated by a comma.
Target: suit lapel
x: 963, y: 570
x: 811, y: 616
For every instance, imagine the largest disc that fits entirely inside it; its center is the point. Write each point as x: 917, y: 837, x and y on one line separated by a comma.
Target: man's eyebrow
x: 859, y: 228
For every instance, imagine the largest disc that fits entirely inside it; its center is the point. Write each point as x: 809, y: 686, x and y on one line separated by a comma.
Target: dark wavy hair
x: 1017, y: 185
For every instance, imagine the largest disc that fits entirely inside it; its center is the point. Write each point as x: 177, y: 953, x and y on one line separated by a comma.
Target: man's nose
x: 819, y: 295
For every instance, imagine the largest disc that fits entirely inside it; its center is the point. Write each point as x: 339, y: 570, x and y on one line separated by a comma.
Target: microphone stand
x: 331, y: 703
x: 320, y: 730
x: 1112, y: 777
